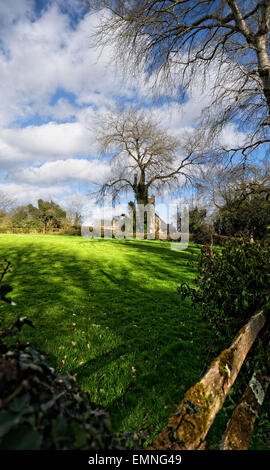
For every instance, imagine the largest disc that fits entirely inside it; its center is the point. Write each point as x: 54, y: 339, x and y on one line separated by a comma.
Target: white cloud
x: 231, y: 138
x: 47, y: 142
x: 45, y: 55
x: 53, y: 85
x: 63, y: 171
x: 14, y: 10
x: 25, y: 193
x: 41, y: 59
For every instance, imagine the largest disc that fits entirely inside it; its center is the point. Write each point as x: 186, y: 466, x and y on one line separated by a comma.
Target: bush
x: 40, y: 409
x: 202, y: 235
x: 73, y: 230
x: 5, y: 223
x: 233, y: 283
x: 246, y: 216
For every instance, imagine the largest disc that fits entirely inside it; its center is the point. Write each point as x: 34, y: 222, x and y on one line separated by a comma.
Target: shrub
x: 232, y: 284
x: 202, y: 235
x: 5, y: 223
x: 72, y: 230
x: 246, y: 216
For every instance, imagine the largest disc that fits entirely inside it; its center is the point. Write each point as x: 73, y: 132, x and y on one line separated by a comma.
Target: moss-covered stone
x: 190, y: 421
x: 240, y: 428
x: 225, y: 362
x: 257, y: 388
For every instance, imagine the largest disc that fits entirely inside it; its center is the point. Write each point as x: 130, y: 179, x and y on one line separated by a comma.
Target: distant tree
x: 248, y: 217
x: 219, y: 185
x: 223, y: 42
x: 74, y: 210
x: 5, y: 223
x: 196, y: 219
x: 6, y: 202
x: 50, y: 213
x: 200, y: 227
x: 239, y: 199
x: 144, y: 155
x: 47, y: 214
x: 22, y: 218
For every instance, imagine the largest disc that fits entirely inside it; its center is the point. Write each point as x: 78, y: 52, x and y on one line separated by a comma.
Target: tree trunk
x: 189, y: 425
x: 240, y: 427
x: 264, y: 66
x: 141, y: 195
x: 140, y: 189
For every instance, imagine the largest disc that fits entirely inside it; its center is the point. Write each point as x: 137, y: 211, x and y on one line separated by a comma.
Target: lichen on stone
x: 257, y: 389
x: 192, y: 422
x: 240, y: 427
x: 225, y: 362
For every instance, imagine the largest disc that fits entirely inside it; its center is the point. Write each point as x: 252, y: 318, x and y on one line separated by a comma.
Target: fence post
x: 189, y: 425
x: 240, y: 427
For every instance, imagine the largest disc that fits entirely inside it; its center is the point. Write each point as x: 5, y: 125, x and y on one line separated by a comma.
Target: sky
x: 54, y: 85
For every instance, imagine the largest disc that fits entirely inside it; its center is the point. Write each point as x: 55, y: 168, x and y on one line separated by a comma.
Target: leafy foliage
x: 46, y: 217
x: 196, y: 219
x: 244, y: 216
x: 200, y: 230
x: 42, y: 410
x: 232, y: 283
x: 50, y: 213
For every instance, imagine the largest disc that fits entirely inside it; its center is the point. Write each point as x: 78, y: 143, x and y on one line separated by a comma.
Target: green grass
x: 108, y: 311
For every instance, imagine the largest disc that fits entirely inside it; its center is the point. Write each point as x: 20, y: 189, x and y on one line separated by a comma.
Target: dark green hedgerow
x: 233, y: 283
x: 42, y: 410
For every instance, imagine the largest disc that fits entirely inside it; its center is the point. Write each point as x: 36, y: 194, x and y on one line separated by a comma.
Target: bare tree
x: 6, y: 202
x: 224, y: 41
x: 220, y: 185
x: 143, y: 155
x: 74, y: 210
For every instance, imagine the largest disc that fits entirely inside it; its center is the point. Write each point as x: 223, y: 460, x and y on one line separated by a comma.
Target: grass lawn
x: 108, y: 311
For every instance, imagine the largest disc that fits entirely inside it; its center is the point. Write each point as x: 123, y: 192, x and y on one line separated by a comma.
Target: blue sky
x: 54, y: 85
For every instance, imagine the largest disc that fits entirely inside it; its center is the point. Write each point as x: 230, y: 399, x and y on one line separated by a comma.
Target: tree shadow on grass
x: 137, y: 347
